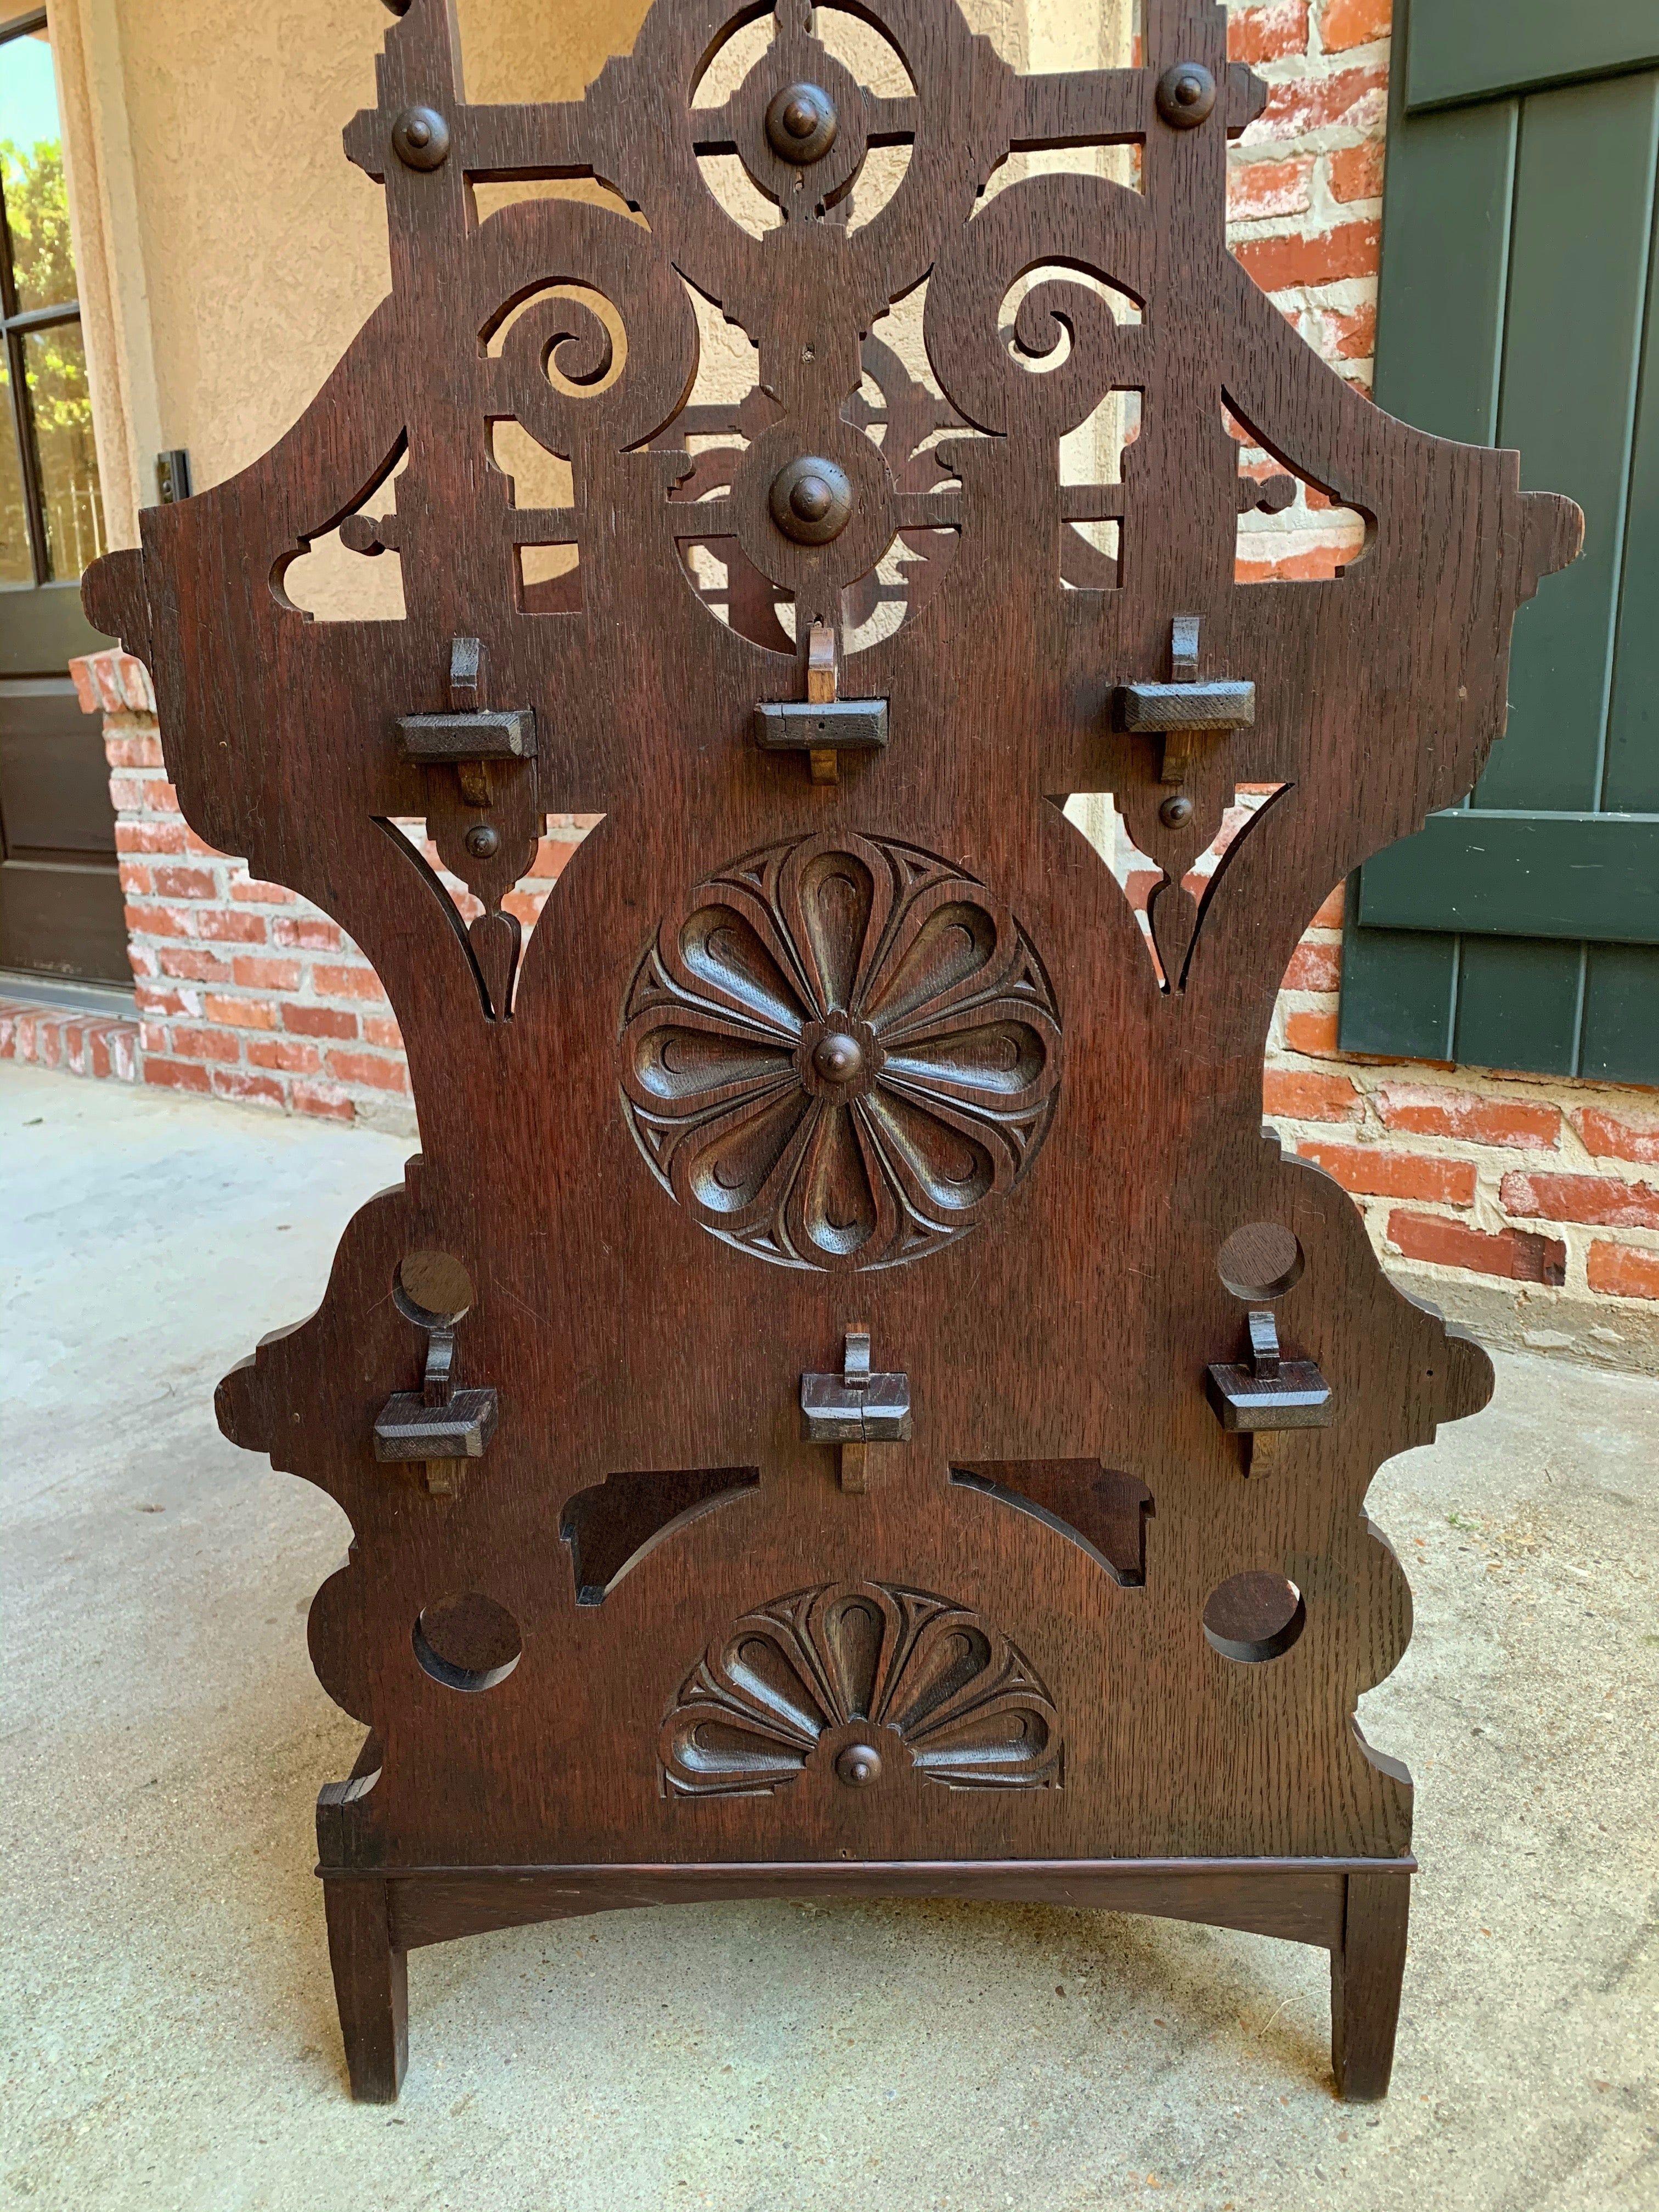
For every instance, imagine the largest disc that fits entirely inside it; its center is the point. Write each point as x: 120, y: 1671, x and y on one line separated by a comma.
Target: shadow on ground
x: 165, y: 2015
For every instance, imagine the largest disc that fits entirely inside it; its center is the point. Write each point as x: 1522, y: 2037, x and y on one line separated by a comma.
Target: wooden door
x: 1520, y: 929
x: 60, y: 894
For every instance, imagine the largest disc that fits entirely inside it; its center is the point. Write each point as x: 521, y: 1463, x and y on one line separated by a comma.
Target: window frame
x: 17, y: 326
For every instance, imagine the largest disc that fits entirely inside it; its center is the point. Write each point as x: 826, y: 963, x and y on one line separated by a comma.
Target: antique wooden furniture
x: 848, y: 1399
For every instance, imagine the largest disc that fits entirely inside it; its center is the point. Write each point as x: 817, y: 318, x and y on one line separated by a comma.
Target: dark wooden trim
x: 1356, y: 1909
x: 370, y: 1983
x: 1300, y: 1900
x: 1505, y: 872
x: 1367, y: 1972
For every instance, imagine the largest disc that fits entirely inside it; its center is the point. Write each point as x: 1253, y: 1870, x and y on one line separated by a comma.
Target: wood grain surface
x: 785, y: 1058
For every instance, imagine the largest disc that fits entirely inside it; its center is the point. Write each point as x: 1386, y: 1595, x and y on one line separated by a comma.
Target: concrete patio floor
x: 166, y: 2012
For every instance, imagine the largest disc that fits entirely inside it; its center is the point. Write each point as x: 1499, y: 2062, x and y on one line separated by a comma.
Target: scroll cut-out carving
x: 1292, y: 529
x: 840, y: 1053
x: 617, y: 1523
x: 950, y: 442
x: 1172, y: 901
x: 907, y: 424
x: 352, y: 572
x: 937, y: 1686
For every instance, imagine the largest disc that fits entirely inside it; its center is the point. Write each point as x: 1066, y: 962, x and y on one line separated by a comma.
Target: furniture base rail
x: 1356, y: 1909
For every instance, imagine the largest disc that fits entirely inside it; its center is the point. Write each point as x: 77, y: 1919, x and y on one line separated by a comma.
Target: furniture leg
x: 1367, y: 1969
x: 371, y: 1987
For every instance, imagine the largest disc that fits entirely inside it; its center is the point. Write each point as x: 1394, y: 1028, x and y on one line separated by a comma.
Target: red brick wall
x: 72, y: 1043
x: 1530, y: 1204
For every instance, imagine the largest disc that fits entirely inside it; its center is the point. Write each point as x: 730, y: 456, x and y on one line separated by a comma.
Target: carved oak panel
x: 836, y: 1044
x: 840, y: 1053
x: 861, y: 1675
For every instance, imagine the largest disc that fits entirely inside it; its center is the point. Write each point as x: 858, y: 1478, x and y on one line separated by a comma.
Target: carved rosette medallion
x: 839, y: 1052
x: 914, y: 1679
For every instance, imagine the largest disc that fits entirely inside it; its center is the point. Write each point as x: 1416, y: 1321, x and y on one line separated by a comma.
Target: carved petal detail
x: 965, y: 1702
x: 865, y: 941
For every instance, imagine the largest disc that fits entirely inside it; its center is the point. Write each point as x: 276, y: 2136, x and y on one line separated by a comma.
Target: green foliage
x: 43, y: 262
x: 37, y: 213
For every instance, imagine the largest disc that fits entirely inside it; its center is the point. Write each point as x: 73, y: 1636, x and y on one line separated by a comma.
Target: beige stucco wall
x: 229, y: 252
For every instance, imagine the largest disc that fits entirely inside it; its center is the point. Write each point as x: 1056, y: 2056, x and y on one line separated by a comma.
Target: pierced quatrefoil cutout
x: 840, y: 1053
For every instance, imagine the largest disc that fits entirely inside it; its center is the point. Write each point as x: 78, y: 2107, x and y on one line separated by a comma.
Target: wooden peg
x: 466, y: 695
x: 439, y: 1424
x: 1265, y: 1390
x: 855, y: 1377
x: 469, y: 735
x: 826, y: 725
x: 855, y: 1408
x: 371, y: 535
x: 823, y: 681
x: 1183, y: 709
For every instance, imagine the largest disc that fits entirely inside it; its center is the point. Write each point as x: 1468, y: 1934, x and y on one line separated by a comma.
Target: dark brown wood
x: 610, y: 1527
x: 1266, y: 1390
x: 1301, y: 1901
x: 371, y: 1983
x: 834, y: 725
x: 878, y: 1053
x: 1367, y: 1968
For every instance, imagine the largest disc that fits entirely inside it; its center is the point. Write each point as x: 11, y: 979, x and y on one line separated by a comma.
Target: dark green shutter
x: 1519, y: 307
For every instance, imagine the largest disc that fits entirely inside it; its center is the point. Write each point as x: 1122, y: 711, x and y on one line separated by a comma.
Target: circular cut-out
x: 468, y: 1643
x: 1262, y: 1260
x: 1253, y: 1617
x: 432, y: 1289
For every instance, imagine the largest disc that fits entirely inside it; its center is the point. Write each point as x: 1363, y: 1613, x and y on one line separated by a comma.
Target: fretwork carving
x: 832, y: 1013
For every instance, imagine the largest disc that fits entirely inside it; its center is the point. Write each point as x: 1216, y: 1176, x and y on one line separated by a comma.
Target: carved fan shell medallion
x: 840, y: 1052
x: 933, y: 1682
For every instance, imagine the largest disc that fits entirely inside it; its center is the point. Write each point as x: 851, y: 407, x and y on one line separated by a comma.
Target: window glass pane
x: 31, y: 166
x: 16, y: 566
x: 56, y: 375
